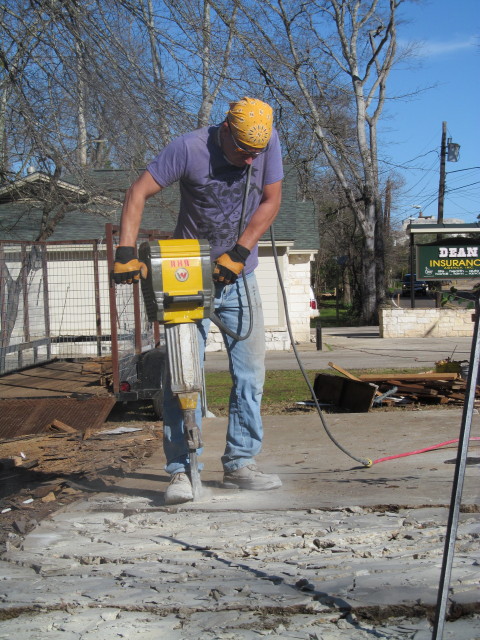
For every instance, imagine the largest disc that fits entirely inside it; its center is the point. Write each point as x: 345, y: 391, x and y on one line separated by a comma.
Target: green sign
x: 438, y: 262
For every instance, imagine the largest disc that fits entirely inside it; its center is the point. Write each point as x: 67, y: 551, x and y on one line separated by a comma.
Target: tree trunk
x: 368, y: 311
x: 14, y: 291
x: 157, y: 71
x: 3, y: 135
x: 379, y: 251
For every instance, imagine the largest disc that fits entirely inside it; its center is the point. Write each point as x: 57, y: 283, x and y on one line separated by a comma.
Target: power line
x: 464, y: 186
x: 467, y: 169
x: 405, y: 165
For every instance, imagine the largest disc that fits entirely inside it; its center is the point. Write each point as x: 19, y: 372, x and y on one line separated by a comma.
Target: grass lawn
x: 333, y: 316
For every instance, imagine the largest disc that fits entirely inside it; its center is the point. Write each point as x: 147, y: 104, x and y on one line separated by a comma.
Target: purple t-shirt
x: 212, y: 189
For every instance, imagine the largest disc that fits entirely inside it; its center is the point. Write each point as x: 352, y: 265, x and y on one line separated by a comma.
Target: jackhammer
x: 178, y: 292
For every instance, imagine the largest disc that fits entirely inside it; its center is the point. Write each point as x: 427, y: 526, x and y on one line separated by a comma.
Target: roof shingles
x: 19, y: 220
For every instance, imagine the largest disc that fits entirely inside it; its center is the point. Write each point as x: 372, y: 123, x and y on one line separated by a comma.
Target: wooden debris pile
x: 420, y: 388
x: 42, y: 472
x: 393, y: 389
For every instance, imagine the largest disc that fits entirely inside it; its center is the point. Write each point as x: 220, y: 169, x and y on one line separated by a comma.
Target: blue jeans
x: 247, y: 369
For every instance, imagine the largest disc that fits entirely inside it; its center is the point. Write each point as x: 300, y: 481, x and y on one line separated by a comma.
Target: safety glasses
x: 240, y: 149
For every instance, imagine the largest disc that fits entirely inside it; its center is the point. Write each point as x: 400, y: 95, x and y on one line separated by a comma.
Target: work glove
x: 229, y: 264
x: 126, y: 268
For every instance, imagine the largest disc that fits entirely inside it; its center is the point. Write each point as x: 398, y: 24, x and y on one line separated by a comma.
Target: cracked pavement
x: 339, y: 551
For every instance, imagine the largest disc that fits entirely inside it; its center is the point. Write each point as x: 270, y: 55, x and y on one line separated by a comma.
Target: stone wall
x: 421, y: 323
x: 299, y: 295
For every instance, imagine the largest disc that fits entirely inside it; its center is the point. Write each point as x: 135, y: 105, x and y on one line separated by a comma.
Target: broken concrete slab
x: 339, y: 551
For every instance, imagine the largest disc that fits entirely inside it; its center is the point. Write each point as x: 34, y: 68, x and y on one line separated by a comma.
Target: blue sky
x: 448, y: 60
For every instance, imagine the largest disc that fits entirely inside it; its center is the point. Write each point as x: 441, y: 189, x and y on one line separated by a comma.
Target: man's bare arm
x: 263, y: 217
x: 141, y: 190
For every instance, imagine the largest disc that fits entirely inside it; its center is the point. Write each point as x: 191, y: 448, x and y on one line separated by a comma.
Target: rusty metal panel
x: 19, y: 417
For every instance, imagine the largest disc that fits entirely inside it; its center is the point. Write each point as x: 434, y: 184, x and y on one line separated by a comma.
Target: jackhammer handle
x: 198, y: 298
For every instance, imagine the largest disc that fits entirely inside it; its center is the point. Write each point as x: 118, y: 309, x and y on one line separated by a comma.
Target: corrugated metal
x: 19, y: 417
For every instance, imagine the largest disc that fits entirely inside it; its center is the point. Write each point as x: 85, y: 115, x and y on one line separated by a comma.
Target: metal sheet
x: 19, y: 417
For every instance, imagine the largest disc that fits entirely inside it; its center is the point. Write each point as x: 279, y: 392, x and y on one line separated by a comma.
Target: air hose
x: 366, y: 462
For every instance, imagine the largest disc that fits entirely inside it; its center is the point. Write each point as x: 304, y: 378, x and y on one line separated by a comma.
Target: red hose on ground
x: 412, y: 453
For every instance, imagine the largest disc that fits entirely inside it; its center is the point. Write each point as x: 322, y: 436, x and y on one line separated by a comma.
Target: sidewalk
x: 360, y: 348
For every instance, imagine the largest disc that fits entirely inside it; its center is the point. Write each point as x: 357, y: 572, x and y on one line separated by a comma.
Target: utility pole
x: 448, y: 151
x: 441, y: 199
x: 441, y: 185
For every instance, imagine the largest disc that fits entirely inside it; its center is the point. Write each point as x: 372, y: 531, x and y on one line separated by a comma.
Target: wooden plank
x: 446, y: 385
x: 344, y: 371
x: 388, y: 402
x: 371, y: 377
x: 60, y: 427
x: 349, y: 375
x: 456, y: 396
x: 416, y: 389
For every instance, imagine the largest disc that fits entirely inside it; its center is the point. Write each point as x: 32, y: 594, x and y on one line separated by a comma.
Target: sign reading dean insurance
x: 437, y: 262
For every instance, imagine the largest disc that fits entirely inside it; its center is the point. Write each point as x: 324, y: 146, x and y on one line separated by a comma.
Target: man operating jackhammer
x: 215, y: 167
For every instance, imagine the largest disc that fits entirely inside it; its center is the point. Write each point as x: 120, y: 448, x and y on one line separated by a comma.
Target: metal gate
x: 57, y: 302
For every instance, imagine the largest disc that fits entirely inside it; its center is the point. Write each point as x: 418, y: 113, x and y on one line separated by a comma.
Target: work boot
x: 250, y: 477
x: 179, y: 490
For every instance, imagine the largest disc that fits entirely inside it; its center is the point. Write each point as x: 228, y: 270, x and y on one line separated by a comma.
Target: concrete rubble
x: 113, y: 568
x: 339, y: 551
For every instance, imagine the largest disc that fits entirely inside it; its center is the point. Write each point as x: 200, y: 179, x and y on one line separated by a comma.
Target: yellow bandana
x: 251, y: 122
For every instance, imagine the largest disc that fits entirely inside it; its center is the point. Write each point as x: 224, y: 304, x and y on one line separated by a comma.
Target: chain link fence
x: 54, y: 297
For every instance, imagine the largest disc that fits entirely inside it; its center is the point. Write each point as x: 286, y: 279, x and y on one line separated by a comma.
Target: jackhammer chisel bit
x: 186, y: 380
x: 194, y: 442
